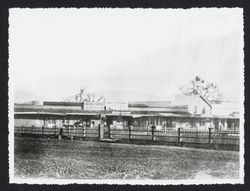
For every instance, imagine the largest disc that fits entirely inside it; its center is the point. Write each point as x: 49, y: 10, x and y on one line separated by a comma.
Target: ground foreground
x: 52, y: 158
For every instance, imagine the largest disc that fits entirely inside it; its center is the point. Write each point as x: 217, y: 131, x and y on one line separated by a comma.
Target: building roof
x: 226, y: 108
x: 51, y: 110
x: 132, y: 115
x: 136, y: 114
x: 173, y: 115
x: 150, y: 104
x: 54, y: 103
x: 185, y: 100
x: 38, y: 113
x: 82, y: 114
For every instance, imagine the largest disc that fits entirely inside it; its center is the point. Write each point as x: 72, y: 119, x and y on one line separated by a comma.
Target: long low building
x: 190, y: 112
x: 38, y: 116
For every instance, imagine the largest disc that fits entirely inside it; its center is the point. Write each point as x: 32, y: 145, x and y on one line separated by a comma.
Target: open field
x: 51, y: 158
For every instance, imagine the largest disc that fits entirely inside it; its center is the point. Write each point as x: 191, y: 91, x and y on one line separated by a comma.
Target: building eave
x: 37, y: 113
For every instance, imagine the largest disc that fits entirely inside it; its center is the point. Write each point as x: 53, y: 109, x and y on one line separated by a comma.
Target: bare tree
x: 79, y: 97
x: 100, y: 98
x: 76, y: 97
x: 87, y: 97
x: 208, y: 90
x: 82, y: 90
x: 93, y: 97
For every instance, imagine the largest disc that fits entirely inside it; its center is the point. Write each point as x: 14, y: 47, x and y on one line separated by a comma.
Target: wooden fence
x: 77, y: 132
x: 179, y: 136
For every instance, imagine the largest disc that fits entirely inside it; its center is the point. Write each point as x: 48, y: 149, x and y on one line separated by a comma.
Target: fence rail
x: 178, y: 136
x: 71, y: 131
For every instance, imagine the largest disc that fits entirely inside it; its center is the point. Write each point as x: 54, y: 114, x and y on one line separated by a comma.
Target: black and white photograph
x: 126, y: 96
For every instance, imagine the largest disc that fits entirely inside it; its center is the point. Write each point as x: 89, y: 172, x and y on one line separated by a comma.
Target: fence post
x: 179, y: 135
x: 99, y: 132
x: 32, y: 129
x: 42, y: 130
x: 209, y: 135
x: 71, y: 134
x: 153, y: 137
x: 109, y: 131
x: 82, y: 131
x: 85, y: 131
x: 22, y: 129
x: 129, y: 132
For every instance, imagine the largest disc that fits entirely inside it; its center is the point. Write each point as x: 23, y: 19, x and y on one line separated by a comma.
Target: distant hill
x: 129, y: 96
x: 24, y: 96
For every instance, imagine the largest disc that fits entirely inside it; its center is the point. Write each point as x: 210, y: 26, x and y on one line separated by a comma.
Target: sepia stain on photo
x: 126, y: 96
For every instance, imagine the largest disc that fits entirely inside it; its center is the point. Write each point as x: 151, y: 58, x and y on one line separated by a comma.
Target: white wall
x: 200, y: 105
x: 116, y: 106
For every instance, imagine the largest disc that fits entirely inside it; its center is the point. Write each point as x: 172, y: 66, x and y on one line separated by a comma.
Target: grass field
x: 52, y: 158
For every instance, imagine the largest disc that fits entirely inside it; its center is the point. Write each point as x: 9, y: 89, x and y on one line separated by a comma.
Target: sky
x: 149, y: 53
